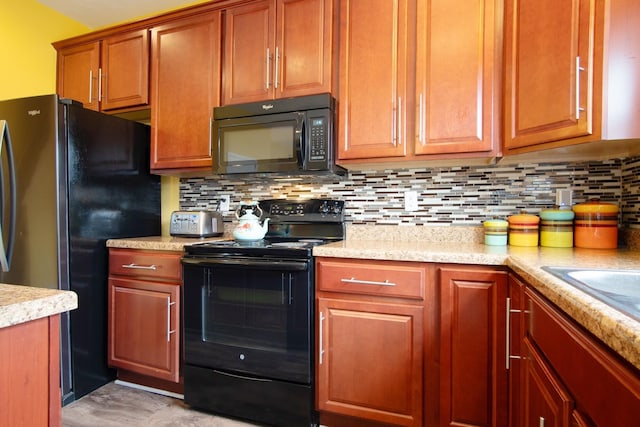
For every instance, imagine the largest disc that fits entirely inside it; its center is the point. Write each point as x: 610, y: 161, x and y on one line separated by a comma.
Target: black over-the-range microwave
x: 287, y: 136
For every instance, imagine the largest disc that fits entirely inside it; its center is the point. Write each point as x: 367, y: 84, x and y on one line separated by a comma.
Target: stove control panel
x: 312, y: 210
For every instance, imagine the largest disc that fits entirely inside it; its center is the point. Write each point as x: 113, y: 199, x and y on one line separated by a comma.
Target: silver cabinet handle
x: 509, y: 356
x: 169, y: 330
x: 367, y: 282
x: 276, y: 71
x: 399, y: 127
x: 578, y: 69
x: 320, y: 347
x: 100, y: 76
x: 268, y: 68
x: 420, y: 119
x: 140, y: 267
x: 541, y: 422
x: 90, y: 86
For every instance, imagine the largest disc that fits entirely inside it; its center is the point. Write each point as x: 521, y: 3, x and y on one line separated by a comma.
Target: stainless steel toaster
x: 196, y: 224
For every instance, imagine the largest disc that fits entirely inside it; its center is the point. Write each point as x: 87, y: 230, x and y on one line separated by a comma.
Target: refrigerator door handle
x: 6, y: 252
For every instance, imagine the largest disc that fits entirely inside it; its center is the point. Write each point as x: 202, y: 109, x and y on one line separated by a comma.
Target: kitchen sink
x: 617, y: 288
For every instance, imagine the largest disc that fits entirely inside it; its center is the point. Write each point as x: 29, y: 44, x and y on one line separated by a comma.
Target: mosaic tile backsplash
x: 464, y: 195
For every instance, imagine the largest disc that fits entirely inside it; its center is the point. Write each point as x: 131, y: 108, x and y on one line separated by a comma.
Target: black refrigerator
x: 70, y: 179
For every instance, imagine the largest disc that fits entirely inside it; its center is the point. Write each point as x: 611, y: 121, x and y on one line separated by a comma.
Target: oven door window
x: 253, y: 321
x: 259, y: 144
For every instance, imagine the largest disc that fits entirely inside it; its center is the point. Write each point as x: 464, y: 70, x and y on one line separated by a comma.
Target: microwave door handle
x: 6, y: 255
x: 301, y: 146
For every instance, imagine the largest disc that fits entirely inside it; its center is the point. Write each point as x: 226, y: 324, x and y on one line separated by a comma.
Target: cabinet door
x: 249, y: 52
x: 473, y: 382
x: 30, y: 372
x: 549, y: 70
x: 370, y: 361
x: 304, y: 39
x: 458, y: 70
x: 185, y: 79
x: 515, y: 335
x: 125, y: 70
x: 547, y: 403
x: 78, y: 74
x: 144, y: 329
x: 372, y: 87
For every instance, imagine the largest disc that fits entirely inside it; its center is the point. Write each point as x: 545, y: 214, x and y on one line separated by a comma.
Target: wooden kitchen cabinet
x: 569, y: 72
x: 107, y: 74
x: 369, y: 342
x: 548, y: 403
x: 458, y: 78
x: 30, y: 373
x: 277, y: 49
x: 571, y: 377
x: 185, y: 86
x: 78, y: 72
x: 374, y: 45
x: 473, y: 373
x: 144, y: 313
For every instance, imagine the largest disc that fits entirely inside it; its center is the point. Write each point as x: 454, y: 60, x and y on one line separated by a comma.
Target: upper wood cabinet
x: 571, y: 72
x: 78, y: 72
x: 373, y: 79
x: 458, y: 75
x: 107, y: 74
x: 185, y: 86
x: 277, y: 49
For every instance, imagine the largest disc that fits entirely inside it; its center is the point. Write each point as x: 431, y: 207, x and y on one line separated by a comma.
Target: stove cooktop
x: 295, y: 227
x: 265, y: 247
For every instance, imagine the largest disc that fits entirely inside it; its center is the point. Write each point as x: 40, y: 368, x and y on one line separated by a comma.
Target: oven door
x: 249, y: 316
x: 259, y: 144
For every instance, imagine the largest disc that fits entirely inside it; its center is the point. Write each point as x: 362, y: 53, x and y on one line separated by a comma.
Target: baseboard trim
x: 150, y: 389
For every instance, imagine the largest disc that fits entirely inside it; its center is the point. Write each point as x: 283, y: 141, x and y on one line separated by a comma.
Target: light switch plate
x: 411, y: 201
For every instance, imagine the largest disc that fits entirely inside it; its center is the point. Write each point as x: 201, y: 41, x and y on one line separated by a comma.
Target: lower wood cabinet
x: 370, y: 342
x: 144, y: 313
x: 570, y: 378
x: 30, y: 373
x: 472, y: 339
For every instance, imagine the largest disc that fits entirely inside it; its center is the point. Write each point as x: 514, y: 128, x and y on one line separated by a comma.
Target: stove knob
x: 324, y: 208
x: 337, y: 209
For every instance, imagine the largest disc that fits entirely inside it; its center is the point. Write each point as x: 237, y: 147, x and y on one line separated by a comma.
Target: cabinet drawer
x: 379, y: 278
x: 149, y: 264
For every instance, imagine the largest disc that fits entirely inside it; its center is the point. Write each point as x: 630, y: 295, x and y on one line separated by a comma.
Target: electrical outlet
x: 563, y: 198
x: 410, y: 201
x: 225, y: 201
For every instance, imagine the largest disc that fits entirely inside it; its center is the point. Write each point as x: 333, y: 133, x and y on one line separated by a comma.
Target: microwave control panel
x: 318, y: 139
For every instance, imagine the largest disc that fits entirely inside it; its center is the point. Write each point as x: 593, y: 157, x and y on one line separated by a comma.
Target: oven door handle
x: 263, y: 264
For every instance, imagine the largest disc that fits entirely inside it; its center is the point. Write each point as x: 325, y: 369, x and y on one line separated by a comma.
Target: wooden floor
x: 115, y: 405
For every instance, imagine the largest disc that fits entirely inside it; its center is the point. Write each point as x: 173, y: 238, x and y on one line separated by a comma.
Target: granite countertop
x: 160, y: 243
x: 442, y: 245
x: 20, y: 304
x: 614, y: 328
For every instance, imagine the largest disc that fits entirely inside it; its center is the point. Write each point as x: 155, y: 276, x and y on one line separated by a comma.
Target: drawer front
x: 148, y: 264
x: 378, y: 278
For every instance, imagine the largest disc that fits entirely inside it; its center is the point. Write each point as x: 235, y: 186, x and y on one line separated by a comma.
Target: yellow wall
x: 27, y: 59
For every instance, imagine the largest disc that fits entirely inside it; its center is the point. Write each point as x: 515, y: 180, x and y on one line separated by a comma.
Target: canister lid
x: 595, y: 206
x: 495, y: 223
x: 524, y: 219
x: 556, y: 214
